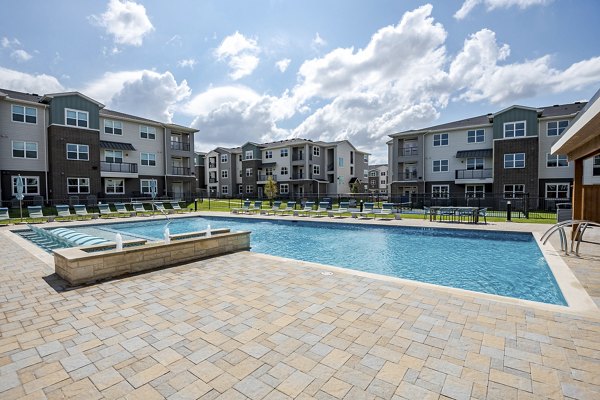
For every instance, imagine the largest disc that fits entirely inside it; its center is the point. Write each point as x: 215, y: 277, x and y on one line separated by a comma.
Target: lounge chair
x: 322, y: 209
x: 36, y: 213
x: 289, y: 208
x: 175, y: 206
x: 275, y: 208
x: 342, y: 209
x: 64, y: 211
x: 387, y: 210
x: 4, y: 217
x: 367, y: 210
x: 243, y: 209
x: 140, y: 210
x: 122, y: 210
x: 105, y: 211
x: 82, y: 212
x: 482, y: 212
x: 308, y: 208
x: 256, y: 207
x: 160, y: 207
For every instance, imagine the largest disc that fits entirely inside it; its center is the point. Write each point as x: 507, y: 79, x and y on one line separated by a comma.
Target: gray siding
x: 59, y: 103
x: 514, y: 115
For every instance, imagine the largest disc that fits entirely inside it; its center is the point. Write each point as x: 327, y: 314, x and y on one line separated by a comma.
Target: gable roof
x: 32, y: 97
x: 62, y: 94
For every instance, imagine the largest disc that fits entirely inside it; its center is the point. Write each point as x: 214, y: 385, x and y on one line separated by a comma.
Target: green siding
x: 255, y: 151
x: 58, y: 105
x: 514, y: 115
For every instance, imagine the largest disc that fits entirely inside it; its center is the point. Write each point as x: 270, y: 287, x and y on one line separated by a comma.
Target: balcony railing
x: 119, y: 167
x: 297, y: 157
x: 409, y: 151
x: 181, y: 170
x: 473, y: 173
x: 410, y: 175
x: 176, y: 145
x: 212, y: 180
x: 299, y: 176
x: 212, y: 165
x: 266, y: 177
x: 330, y: 167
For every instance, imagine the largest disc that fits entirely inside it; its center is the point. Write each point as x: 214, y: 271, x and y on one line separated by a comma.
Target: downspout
x: 166, y: 191
x: 423, y: 164
x: 46, y: 156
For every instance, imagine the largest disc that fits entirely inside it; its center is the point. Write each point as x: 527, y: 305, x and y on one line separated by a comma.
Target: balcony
x: 212, y: 165
x: 182, y: 146
x: 264, y: 178
x: 118, y: 170
x: 330, y: 167
x: 409, y: 176
x: 409, y: 151
x: 212, y: 180
x: 181, y: 171
x: 298, y: 176
x: 473, y: 176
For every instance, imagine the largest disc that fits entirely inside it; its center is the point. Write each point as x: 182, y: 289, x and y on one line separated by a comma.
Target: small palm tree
x: 271, y: 189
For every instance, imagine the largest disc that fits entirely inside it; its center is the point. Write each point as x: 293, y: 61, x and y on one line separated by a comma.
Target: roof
x: 117, y: 114
x: 105, y: 144
x: 61, y: 94
x: 32, y: 97
x: 482, y: 153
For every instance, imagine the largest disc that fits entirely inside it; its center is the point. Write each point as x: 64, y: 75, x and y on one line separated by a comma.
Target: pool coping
x: 578, y: 299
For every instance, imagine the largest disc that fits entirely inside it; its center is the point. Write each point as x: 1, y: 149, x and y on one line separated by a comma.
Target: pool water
x: 502, y: 263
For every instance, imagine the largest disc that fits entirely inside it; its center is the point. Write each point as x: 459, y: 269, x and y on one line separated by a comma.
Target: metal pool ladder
x: 576, y: 236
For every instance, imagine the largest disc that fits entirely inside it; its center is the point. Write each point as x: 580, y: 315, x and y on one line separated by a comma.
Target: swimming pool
x: 502, y: 263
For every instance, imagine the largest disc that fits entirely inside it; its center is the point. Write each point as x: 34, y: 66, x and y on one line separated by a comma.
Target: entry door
x: 300, y: 191
x: 177, y: 189
x: 260, y: 192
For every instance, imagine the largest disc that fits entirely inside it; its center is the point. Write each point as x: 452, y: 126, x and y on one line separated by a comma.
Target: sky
x: 323, y: 70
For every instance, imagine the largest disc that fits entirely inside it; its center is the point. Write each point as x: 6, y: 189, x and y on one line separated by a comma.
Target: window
x: 557, y: 190
x: 269, y: 171
x: 113, y: 156
x: 474, y: 163
x: 440, y: 165
x: 224, y: 158
x: 373, y: 173
x: 240, y: 157
x: 366, y: 158
x: 78, y: 151
x: 340, y: 162
x: 316, y: 151
x: 555, y: 161
x: 316, y: 169
x: 148, y: 159
x: 516, y: 160
x: 351, y: 170
x: 114, y: 186
x: 284, y: 170
x: 146, y: 186
x: 224, y: 189
x: 249, y: 189
x: 476, y: 136
x: 514, y: 191
x: 113, y: 127
x: 366, y: 173
x: 249, y: 155
x: 596, y: 166
x: 24, y: 114
x: 269, y: 154
x: 382, y: 182
x: 248, y: 172
x: 240, y: 173
x: 440, y: 191
x: 440, y: 139
x: 76, y: 118
x: 241, y: 189
x: 31, y: 185
x: 475, y: 191
x: 78, y: 185
x: 283, y: 153
x: 556, y: 128
x: 224, y: 174
x: 382, y: 173
x: 284, y: 188
x: 514, y: 129
x: 24, y: 149
x: 148, y: 132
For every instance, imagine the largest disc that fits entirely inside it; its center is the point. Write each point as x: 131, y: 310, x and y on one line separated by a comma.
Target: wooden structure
x: 581, y: 141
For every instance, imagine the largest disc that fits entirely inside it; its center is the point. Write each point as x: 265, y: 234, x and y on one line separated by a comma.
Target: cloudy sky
x: 327, y: 70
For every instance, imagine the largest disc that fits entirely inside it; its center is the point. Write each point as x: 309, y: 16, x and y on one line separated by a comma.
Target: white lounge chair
x: 175, y: 206
x: 122, y: 210
x: 308, y: 208
x: 387, y: 210
x: 289, y: 208
x: 140, y: 209
x: 4, y: 217
x: 64, y: 211
x: 275, y: 208
x: 256, y: 207
x: 322, y: 209
x: 367, y: 210
x: 36, y: 213
x: 244, y: 209
x: 342, y: 209
x: 106, y: 211
x: 82, y: 212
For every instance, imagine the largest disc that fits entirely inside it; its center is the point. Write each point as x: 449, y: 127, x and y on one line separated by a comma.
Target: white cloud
x: 469, y: 5
x: 188, y: 62
x: 20, y: 55
x: 175, y: 41
x: 126, y: 21
x: 240, y: 53
x: 318, y: 41
x: 8, y: 43
x: 30, y: 83
x: 283, y: 64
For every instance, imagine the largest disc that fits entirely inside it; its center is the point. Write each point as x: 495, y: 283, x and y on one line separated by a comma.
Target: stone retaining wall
x: 83, y: 265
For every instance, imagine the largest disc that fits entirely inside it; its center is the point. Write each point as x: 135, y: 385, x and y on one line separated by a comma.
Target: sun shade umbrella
x: 20, y: 196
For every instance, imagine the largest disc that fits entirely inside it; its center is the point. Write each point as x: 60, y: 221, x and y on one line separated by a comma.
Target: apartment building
x: 378, y: 178
x: 68, y: 147
x: 506, y: 153
x: 299, y: 166
x: 199, y: 166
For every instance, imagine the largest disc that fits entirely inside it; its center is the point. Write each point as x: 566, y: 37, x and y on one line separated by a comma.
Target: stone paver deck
x: 252, y: 326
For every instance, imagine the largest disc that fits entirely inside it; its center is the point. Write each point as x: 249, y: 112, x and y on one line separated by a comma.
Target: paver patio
x: 247, y: 325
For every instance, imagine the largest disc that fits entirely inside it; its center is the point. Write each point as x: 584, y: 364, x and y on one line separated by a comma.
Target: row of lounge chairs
x: 322, y: 209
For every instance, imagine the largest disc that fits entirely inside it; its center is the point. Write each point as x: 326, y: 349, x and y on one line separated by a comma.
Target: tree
x: 271, y: 189
x: 355, y: 187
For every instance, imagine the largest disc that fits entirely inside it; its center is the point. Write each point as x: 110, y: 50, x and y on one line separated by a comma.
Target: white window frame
x: 225, y: 189
x: 365, y: 173
x: 440, y: 191
x: 268, y: 154
x: 249, y: 172
x: 77, y: 112
x: 477, y: 136
x: 147, y: 132
x: 224, y: 174
x: 340, y: 161
x: 366, y: 158
x: 514, y: 129
x: 106, y: 185
x: 596, y: 166
x: 475, y: 191
x: 441, y: 165
x: 25, y: 114
x: 146, y: 186
x: 316, y: 170
x: 510, y: 159
x: 382, y: 173
x: 147, y: 161
x: 224, y: 158
x: 269, y: 171
x: 113, y: 156
x: 557, y: 184
x: 249, y: 189
x: 284, y: 188
x: 26, y: 185
x: 78, y: 152
x: 112, y: 125
x: 382, y: 182
x: 373, y: 173
x: 249, y: 155
x: 284, y: 153
x: 316, y: 151
x: 440, y: 138
x: 477, y: 162
x: 284, y: 171
x: 79, y: 185
x: 25, y: 143
x: 556, y: 158
x: 511, y: 194
x: 557, y: 130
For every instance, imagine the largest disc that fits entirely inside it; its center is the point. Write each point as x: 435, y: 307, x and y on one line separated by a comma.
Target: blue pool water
x: 502, y: 263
